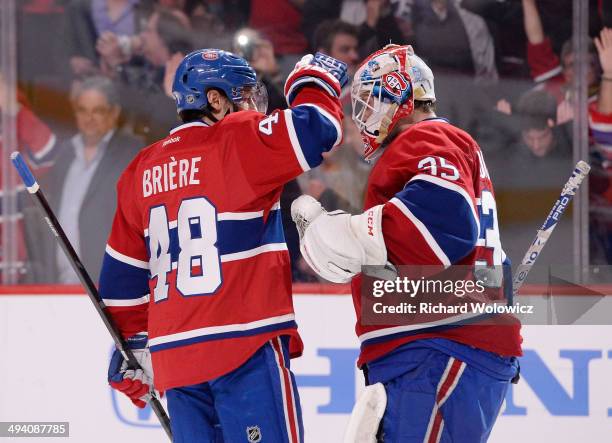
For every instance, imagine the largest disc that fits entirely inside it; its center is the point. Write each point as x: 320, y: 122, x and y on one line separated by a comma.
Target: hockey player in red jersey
x: 196, y: 272
x: 429, y: 201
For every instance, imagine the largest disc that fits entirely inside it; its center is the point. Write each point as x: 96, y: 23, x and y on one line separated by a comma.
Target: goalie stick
x: 37, y: 195
x: 581, y: 170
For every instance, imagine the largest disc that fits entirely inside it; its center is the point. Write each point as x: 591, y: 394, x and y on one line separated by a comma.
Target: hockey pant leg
x: 259, y: 401
x: 443, y: 400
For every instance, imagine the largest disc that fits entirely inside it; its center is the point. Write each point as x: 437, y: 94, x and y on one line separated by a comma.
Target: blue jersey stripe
x: 602, y: 137
x: 445, y: 213
x: 120, y: 281
x: 238, y: 235
x: 315, y: 133
x: 224, y: 335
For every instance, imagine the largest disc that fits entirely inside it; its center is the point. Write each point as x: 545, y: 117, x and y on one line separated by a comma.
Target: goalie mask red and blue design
x: 384, y: 89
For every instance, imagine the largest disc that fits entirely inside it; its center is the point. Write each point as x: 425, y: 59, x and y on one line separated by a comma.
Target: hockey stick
x: 38, y: 196
x: 581, y: 170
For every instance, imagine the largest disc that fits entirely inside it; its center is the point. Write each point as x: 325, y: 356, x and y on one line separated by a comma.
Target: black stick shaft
x: 92, y: 292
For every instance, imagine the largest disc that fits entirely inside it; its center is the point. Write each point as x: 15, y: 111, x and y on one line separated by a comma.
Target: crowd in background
x: 95, y: 82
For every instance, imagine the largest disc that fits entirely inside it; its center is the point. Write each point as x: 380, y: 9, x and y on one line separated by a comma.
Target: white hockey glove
x: 367, y: 413
x: 336, y: 244
x: 137, y: 384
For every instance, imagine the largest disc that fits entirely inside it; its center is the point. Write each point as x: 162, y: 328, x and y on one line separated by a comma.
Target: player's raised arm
x: 291, y: 141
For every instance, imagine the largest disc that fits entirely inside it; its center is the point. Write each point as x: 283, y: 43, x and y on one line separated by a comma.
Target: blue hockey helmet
x: 214, y: 68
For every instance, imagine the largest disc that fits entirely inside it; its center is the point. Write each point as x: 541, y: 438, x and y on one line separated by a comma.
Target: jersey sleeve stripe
x: 386, y: 334
x: 331, y: 119
x: 126, y: 259
x: 310, y: 79
x: 453, y: 187
x: 295, y: 143
x: 253, y: 252
x: 602, y: 137
x: 244, y: 215
x: 239, y: 215
x: 431, y: 242
x: 548, y: 74
x: 314, y: 133
x: 446, y: 215
x: 46, y: 149
x: 126, y: 302
x: 238, y: 237
x: 121, y: 281
x: 220, y: 332
x: 600, y: 126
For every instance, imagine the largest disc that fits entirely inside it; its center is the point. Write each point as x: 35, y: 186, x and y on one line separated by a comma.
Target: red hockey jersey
x: 197, y: 255
x: 439, y: 210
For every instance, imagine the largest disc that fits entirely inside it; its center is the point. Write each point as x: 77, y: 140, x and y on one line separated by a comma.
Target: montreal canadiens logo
x: 210, y: 55
x: 395, y: 84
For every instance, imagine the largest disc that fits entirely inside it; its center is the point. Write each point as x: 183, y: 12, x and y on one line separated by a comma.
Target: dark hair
x: 191, y: 115
x: 568, y: 48
x: 327, y: 31
x: 426, y: 106
x: 535, y: 108
x: 173, y: 32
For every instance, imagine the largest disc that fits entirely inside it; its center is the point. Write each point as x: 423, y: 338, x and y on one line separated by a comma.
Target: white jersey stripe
x: 408, y: 328
x: 47, y: 148
x: 291, y: 391
x: 222, y: 216
x: 270, y: 247
x: 431, y: 242
x: 126, y: 259
x: 452, y: 187
x: 283, y: 393
x: 295, y: 143
x: 331, y: 119
x: 211, y: 330
x: 126, y: 302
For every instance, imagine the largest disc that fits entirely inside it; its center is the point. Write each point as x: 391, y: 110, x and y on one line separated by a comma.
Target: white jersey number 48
x: 197, y: 237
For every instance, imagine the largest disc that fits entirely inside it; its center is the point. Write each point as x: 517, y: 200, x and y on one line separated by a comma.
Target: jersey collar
x: 434, y: 119
x: 188, y: 125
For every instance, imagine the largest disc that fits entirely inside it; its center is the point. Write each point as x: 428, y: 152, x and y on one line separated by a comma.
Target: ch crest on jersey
x: 253, y: 434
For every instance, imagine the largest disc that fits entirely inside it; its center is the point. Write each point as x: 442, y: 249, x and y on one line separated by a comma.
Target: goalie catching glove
x: 337, y: 244
x: 137, y: 384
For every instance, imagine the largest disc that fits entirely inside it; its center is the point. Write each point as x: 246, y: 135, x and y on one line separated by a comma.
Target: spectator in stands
x: 555, y: 73
x: 600, y: 183
x: 340, y: 40
x: 453, y: 40
x: 81, y: 185
x: 280, y: 21
x: 89, y: 20
x: 165, y: 40
x: 375, y: 22
x: 38, y: 144
x: 541, y: 135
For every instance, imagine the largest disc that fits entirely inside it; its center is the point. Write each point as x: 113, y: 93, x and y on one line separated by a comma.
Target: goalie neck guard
x: 384, y: 90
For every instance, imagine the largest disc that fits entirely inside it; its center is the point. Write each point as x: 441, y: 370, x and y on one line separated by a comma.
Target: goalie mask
x: 384, y: 90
